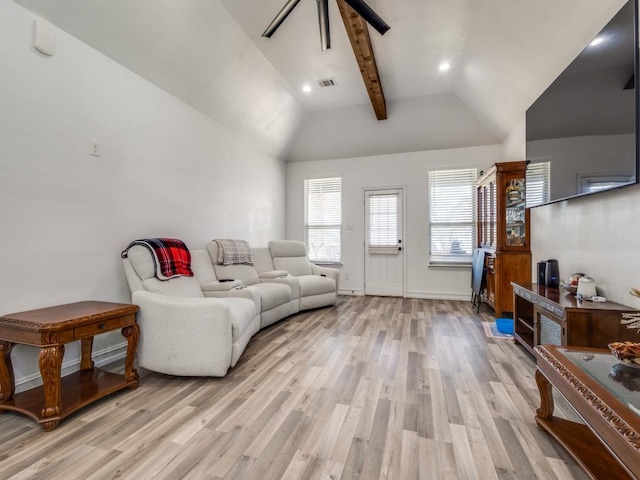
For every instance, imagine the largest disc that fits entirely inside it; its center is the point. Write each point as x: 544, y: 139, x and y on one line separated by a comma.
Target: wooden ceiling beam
x: 358, y: 34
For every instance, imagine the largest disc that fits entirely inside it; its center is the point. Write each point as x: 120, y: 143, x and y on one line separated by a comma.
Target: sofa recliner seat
x: 318, y: 285
x: 182, y: 331
x: 277, y: 299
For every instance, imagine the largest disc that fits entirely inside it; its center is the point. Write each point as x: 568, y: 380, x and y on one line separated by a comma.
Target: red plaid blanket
x: 170, y: 256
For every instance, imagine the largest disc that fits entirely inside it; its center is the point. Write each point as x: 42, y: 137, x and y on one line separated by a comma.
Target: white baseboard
x: 464, y: 297
x: 100, y: 358
x: 348, y: 291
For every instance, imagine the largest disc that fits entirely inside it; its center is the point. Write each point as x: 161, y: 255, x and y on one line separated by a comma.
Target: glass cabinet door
x: 515, y: 212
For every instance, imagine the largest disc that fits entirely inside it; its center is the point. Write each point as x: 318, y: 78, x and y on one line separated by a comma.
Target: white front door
x: 383, y: 243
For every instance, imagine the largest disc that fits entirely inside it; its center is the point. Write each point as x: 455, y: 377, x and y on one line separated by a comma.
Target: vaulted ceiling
x: 210, y: 54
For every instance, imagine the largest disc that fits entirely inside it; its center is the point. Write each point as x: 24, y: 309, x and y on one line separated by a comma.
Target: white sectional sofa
x: 200, y: 325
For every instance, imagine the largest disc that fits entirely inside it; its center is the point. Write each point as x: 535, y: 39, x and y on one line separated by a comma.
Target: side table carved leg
x: 545, y: 411
x: 87, y: 348
x: 7, y: 383
x: 51, y: 369
x: 131, y: 333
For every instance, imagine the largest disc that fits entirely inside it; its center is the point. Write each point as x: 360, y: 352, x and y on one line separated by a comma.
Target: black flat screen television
x: 582, y: 132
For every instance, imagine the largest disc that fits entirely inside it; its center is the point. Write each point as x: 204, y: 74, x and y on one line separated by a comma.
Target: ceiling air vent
x: 327, y: 82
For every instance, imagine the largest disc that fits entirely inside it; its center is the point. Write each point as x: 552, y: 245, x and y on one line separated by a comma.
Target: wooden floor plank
x: 371, y: 388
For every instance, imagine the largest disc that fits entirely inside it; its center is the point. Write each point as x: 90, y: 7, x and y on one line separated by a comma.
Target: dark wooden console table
x: 51, y: 328
x: 552, y: 316
x: 604, y: 393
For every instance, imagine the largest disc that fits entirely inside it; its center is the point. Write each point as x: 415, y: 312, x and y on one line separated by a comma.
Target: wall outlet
x: 346, y: 276
x: 95, y: 149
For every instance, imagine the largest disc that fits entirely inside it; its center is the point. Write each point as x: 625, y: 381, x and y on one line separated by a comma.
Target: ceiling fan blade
x: 280, y: 17
x: 323, y: 20
x: 371, y: 17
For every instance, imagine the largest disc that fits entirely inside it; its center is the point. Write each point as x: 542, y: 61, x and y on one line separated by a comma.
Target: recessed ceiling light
x: 596, y: 41
x: 306, y: 88
x: 444, y: 67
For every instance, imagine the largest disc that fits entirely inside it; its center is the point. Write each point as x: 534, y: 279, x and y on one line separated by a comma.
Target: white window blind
x: 383, y: 220
x: 538, y: 183
x: 452, y: 214
x: 323, y: 218
x: 383, y: 224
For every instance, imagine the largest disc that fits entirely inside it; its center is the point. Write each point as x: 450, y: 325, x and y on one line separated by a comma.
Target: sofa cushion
x: 294, y: 265
x: 287, y: 248
x: 202, y: 267
x: 185, y: 287
x: 262, y: 259
x: 247, y: 274
x: 316, y: 285
x: 142, y: 262
x: 290, y: 255
x: 273, y: 295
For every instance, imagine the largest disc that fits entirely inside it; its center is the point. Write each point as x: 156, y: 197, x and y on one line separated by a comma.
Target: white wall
x: 165, y: 170
x: 598, y: 235
x: 408, y: 170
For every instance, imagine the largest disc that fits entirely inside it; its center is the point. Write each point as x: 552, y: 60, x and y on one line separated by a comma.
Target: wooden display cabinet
x: 503, y: 231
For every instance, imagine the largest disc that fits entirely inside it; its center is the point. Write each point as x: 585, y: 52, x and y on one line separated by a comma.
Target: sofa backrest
x: 247, y: 274
x: 141, y: 262
x: 290, y: 255
x: 202, y: 267
x: 262, y: 259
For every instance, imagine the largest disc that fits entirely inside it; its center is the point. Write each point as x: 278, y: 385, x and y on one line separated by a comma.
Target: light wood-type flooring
x: 371, y: 388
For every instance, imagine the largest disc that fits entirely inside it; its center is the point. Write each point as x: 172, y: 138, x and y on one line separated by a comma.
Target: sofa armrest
x: 239, y: 291
x: 327, y: 272
x: 183, y: 336
x: 220, y: 286
x: 273, y: 274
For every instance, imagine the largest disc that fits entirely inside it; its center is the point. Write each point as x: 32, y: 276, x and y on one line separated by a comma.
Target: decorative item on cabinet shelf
x: 632, y: 320
x: 515, y: 191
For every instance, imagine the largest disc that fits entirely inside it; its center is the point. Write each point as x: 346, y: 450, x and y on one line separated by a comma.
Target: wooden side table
x: 604, y: 393
x: 50, y: 329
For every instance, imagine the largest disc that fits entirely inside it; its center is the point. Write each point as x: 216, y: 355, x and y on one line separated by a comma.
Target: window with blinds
x: 452, y: 215
x: 383, y: 223
x: 538, y: 183
x: 323, y: 219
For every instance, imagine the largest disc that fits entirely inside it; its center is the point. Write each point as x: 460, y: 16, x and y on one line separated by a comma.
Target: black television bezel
x: 636, y: 75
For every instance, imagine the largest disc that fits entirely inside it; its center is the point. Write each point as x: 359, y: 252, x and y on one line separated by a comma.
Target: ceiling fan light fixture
x: 369, y: 15
x: 280, y: 17
x: 323, y: 22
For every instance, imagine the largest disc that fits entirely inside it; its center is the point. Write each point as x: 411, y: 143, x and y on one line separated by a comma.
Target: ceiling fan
x: 355, y: 16
x: 360, y: 6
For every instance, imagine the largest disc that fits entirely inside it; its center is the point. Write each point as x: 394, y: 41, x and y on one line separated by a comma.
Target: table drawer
x: 99, y: 327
